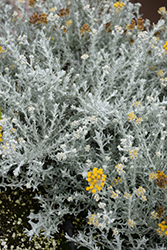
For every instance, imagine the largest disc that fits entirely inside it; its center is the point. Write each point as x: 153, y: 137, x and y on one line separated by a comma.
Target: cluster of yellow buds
x: 140, y: 192
x: 119, y: 168
x: 160, y: 73
x: 162, y: 10
x: 138, y: 103
x: 96, y: 180
x: 154, y: 215
x: 115, y: 194
x: 93, y: 220
x: 138, y: 120
x: 165, y: 45
x: 92, y: 119
x: 133, y: 153
x: 1, y: 135
x: 115, y: 180
x: 126, y: 195
x: 152, y: 176
x: 118, y: 6
x: 131, y: 223
x: 162, y: 230
x: 132, y: 116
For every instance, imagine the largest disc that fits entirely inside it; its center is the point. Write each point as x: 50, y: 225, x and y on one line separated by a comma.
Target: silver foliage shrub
x: 74, y: 98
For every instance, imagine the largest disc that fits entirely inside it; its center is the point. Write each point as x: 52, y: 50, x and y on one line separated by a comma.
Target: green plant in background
x: 84, y: 107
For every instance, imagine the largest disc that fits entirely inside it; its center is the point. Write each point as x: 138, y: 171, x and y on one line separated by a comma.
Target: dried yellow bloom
x: 68, y: 23
x: 160, y: 73
x: 32, y: 2
x: 161, y: 179
x: 162, y: 10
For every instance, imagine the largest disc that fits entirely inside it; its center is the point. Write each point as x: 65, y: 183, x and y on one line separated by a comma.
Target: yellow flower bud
x: 98, y: 188
x: 89, y: 179
x: 102, y: 184
x: 89, y: 174
x: 93, y: 191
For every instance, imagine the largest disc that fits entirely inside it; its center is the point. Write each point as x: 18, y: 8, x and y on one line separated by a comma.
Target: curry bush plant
x: 83, y: 97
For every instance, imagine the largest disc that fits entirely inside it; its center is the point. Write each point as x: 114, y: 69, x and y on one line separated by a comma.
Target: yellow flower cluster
x: 162, y: 10
x: 5, y: 148
x: 164, y: 81
x: 115, y: 194
x: 115, y: 180
x: 153, y: 176
x: 68, y: 23
x: 1, y: 135
x: 119, y: 168
x: 93, y: 119
x: 162, y: 230
x: 93, y: 220
x: 132, y: 116
x: 137, y: 103
x: 133, y: 153
x: 140, y: 192
x: 126, y: 195
x: 165, y: 45
x: 154, y: 215
x: 138, y: 120
x: 131, y: 223
x: 115, y: 231
x: 160, y: 73
x: 118, y: 6
x: 96, y: 180
x: 53, y: 9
